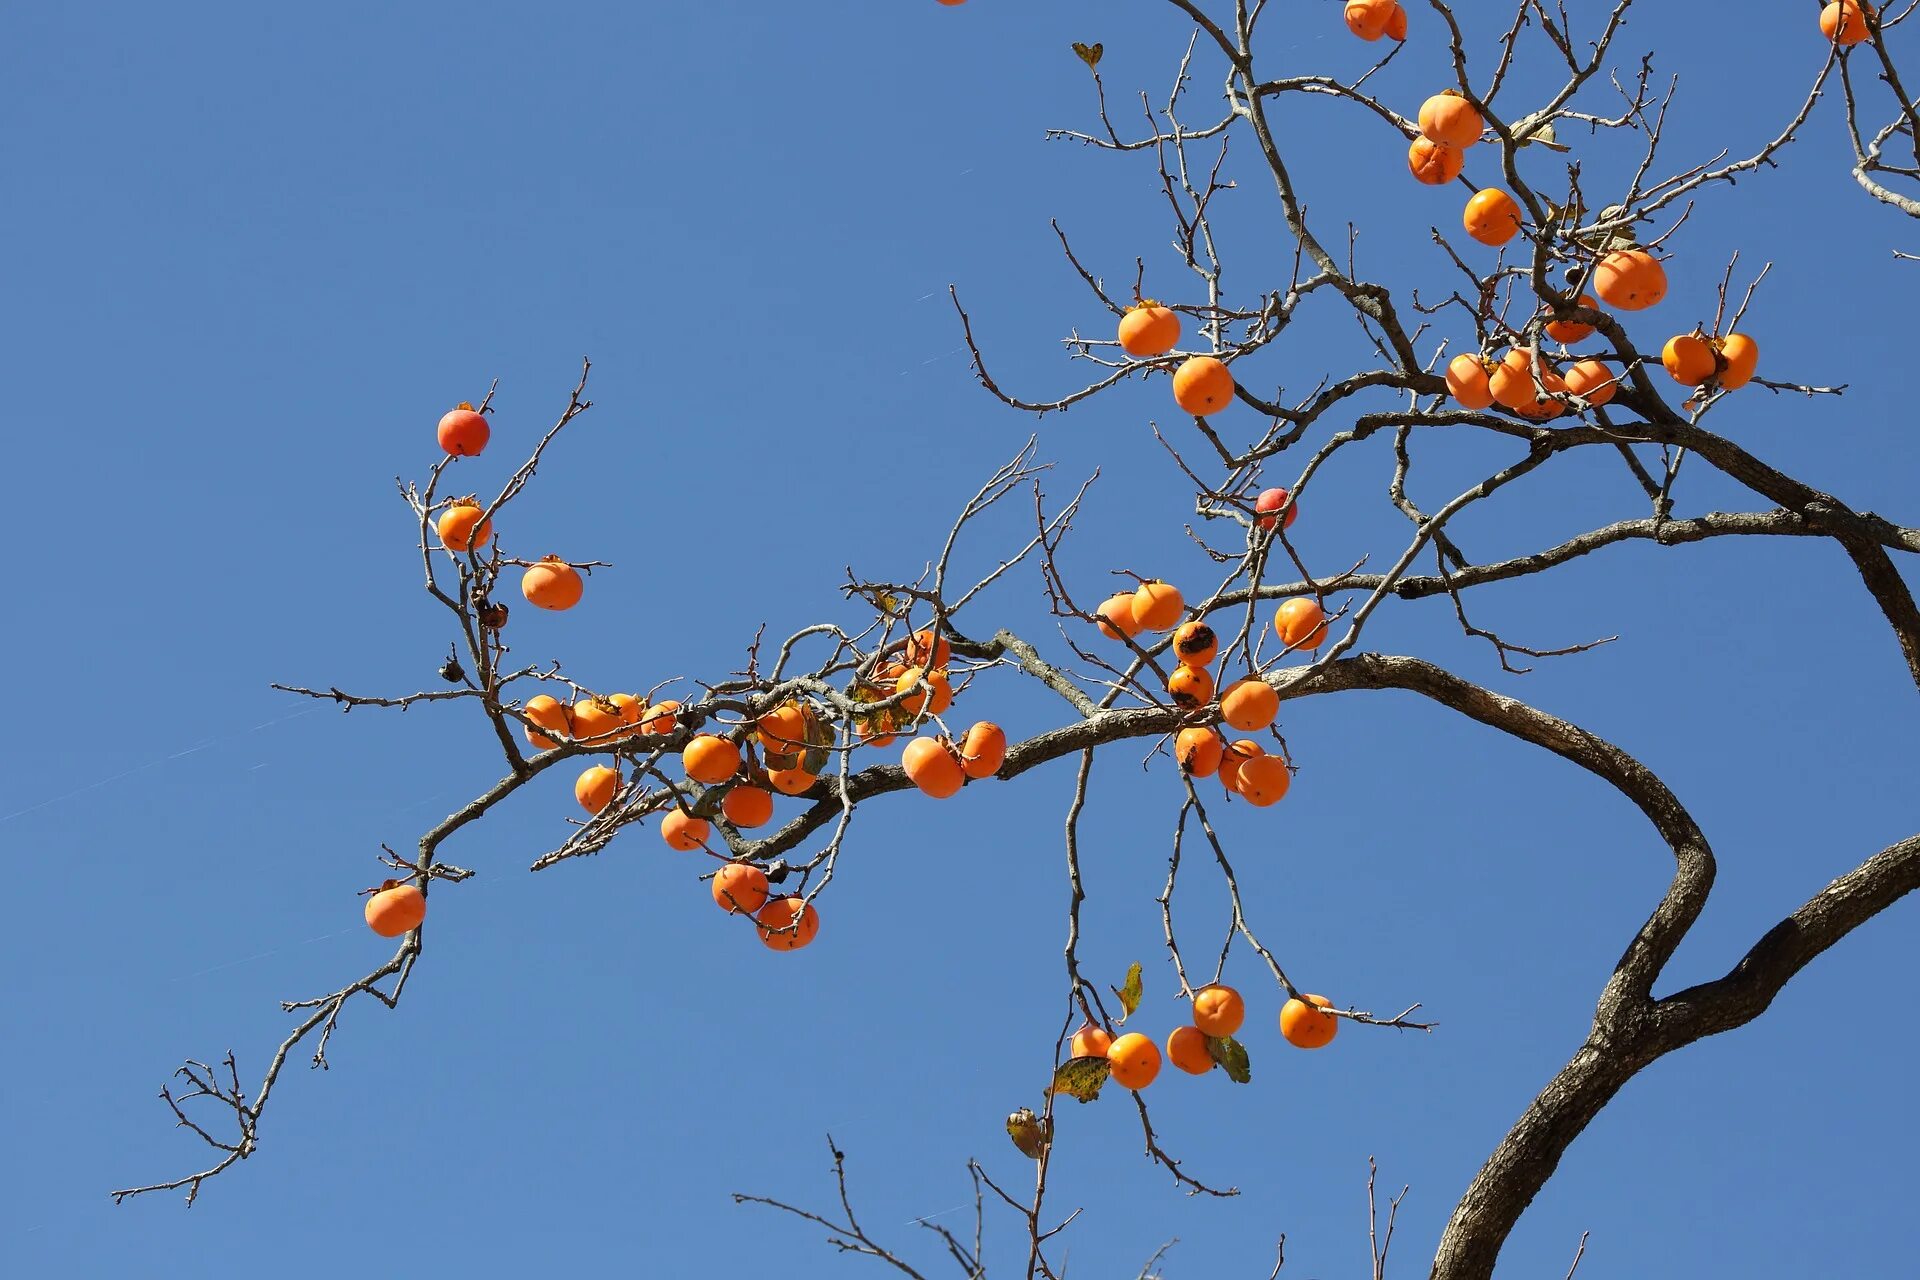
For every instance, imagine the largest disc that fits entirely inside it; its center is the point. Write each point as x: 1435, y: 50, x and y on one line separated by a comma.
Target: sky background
x: 256, y: 250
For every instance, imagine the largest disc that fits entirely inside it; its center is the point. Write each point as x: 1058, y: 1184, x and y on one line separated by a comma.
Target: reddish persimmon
x: 1305, y: 1026
x: 983, y: 750
x: 1190, y: 687
x: 740, y: 888
x: 1568, y: 332
x: 463, y: 433
x: 1491, y: 216
x: 1301, y: 623
x: 1264, y: 780
x: 1630, y: 279
x: 1089, y: 1042
x: 1218, y: 1010
x: 1250, y: 705
x: 747, y: 806
x: 1592, y: 382
x: 552, y: 584
x: 1116, y: 616
x: 710, y: 759
x: 682, y: 831
x: 1135, y: 1059
x: 1195, y: 644
x: 925, y: 649
x: 1467, y: 382
x: 790, y: 782
x: 1149, y: 329
x: 1845, y: 21
x: 1271, y: 500
x: 1435, y: 163
x: 396, y: 909
x: 933, y: 767
x: 461, y: 528
x: 595, y: 788
x: 550, y: 714
x: 1187, y: 1050
x: 1689, y: 358
x: 1202, y: 386
x: 1742, y: 357
x: 1198, y: 751
x: 1157, y: 605
x: 1236, y: 755
x: 788, y: 924
x: 1448, y: 117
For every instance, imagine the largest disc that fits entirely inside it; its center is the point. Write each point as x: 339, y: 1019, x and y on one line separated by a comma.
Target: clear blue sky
x: 254, y: 250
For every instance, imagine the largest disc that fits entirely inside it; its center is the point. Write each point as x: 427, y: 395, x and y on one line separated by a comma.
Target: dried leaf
x: 1030, y: 1133
x: 1089, y: 53
x: 1081, y: 1078
x: 1231, y: 1055
x: 1129, y: 994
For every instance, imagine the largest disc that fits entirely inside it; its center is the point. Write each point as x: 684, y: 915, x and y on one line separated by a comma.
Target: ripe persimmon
x: 1264, y: 780
x: 550, y: 714
x: 1434, y: 163
x: 552, y: 584
x: 790, y: 782
x: 463, y: 433
x: 1195, y: 644
x: 1197, y: 750
x: 1630, y: 279
x: 1301, y: 623
x: 1467, y: 382
x: 1305, y: 1026
x: 1236, y: 755
x: 1513, y: 383
x: 1218, y: 1010
x: 629, y: 709
x: 1187, y: 1050
x: 1202, y: 386
x: 934, y: 694
x: 1448, y: 117
x: 933, y: 767
x: 925, y: 649
x: 788, y: 924
x: 740, y: 888
x: 682, y: 831
x: 1250, y: 705
x: 1089, y: 1042
x: 461, y: 528
x: 1149, y: 329
x: 1397, y: 22
x: 1116, y: 616
x: 1689, y: 358
x: 783, y: 730
x: 1491, y: 216
x: 1845, y: 21
x: 710, y: 759
x: 1271, y: 500
x: 1190, y: 687
x: 1568, y: 332
x: 983, y: 750
x: 596, y: 719
x: 659, y: 718
x: 1157, y: 605
x: 1135, y: 1059
x: 1592, y: 381
x: 747, y: 806
x: 1742, y: 357
x: 1369, y: 19
x: 398, y: 908
x: 595, y: 788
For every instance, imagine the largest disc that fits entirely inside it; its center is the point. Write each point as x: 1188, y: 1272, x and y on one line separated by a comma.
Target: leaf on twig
x: 1129, y: 994
x: 1232, y: 1056
x: 1082, y: 1078
x: 1089, y: 53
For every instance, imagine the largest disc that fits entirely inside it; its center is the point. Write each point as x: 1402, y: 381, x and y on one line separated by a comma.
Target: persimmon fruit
x: 1197, y: 751
x: 396, y: 909
x: 463, y: 432
x: 1742, y: 357
x: 1491, y: 217
x: 682, y: 831
x: 1195, y: 643
x: 1592, y: 381
x: 1135, y: 1059
x: 552, y: 584
x: 1448, y: 117
x: 710, y: 759
x: 461, y: 528
x: 1116, y: 616
x: 1568, y: 332
x: 1630, y: 279
x: 1187, y: 1050
x: 983, y: 750
x: 740, y: 888
x: 788, y: 924
x: 1250, y: 705
x: 1190, y: 687
x: 1689, y: 359
x: 1305, y: 1026
x: 926, y: 649
x: 1149, y: 329
x: 1218, y: 1010
x: 1301, y: 623
x: 1369, y: 19
x: 1845, y: 22
x: 1264, y: 780
x: 747, y: 806
x: 1434, y: 163
x: 932, y: 766
x: 1202, y: 386
x: 595, y: 788
x: 1157, y: 605
x: 550, y: 714
x: 1467, y: 382
x: 1269, y: 502
x: 1089, y: 1042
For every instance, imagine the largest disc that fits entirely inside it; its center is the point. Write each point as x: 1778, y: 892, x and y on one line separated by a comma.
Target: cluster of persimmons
x: 1134, y: 1059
